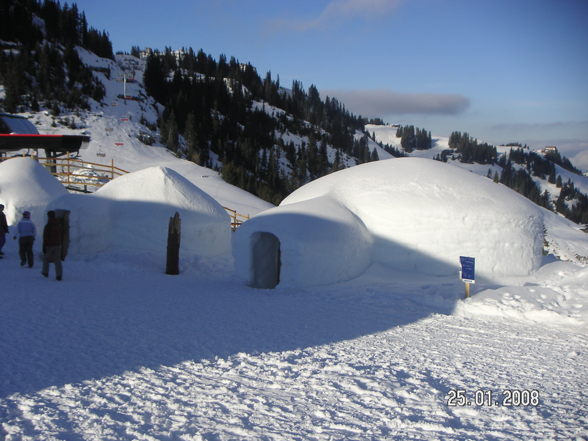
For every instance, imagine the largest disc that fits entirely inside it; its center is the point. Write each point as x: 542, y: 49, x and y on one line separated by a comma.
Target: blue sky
x: 502, y: 70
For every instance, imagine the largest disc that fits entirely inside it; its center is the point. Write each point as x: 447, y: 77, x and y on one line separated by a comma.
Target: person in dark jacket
x: 3, y: 229
x: 26, y: 237
x: 52, y: 241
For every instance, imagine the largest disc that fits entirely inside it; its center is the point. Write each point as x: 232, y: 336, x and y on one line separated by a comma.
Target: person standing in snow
x: 3, y: 229
x: 52, y: 241
x: 26, y: 237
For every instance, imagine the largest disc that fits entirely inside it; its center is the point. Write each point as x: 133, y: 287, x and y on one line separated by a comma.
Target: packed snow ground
x: 120, y: 351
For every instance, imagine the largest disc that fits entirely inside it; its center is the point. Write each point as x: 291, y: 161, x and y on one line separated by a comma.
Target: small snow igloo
x: 411, y: 214
x: 131, y: 213
x: 313, y: 242
x: 27, y: 185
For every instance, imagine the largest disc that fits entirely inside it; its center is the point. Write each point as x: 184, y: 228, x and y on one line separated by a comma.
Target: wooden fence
x: 77, y: 174
x: 236, y: 218
x: 73, y: 172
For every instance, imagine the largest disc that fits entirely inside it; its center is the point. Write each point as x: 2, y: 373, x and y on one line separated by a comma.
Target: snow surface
x: 120, y: 351
x: 409, y: 213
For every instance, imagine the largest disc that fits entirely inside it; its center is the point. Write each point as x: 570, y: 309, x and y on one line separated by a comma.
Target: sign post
x: 468, y: 272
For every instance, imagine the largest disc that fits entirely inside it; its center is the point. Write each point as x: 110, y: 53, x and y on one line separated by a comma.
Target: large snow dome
x: 414, y: 214
x: 27, y: 185
x: 132, y: 212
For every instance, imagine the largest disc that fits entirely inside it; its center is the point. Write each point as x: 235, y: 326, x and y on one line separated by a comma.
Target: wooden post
x: 467, y: 290
x: 173, y: 245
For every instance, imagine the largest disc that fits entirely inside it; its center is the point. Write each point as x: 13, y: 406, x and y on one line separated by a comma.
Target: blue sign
x: 468, y: 269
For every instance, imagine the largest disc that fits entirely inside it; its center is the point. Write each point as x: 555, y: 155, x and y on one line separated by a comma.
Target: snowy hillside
x: 386, y: 135
x: 116, y: 126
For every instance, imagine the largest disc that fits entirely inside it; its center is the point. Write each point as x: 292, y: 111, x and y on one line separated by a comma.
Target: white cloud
x: 338, y: 11
x: 383, y: 102
x: 558, y: 125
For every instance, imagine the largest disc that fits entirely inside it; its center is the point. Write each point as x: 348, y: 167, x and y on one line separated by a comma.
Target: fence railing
x: 236, y: 218
x: 75, y: 172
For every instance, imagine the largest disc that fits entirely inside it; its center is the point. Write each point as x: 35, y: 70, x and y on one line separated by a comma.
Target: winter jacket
x: 26, y: 228
x: 52, y: 233
x: 3, y: 224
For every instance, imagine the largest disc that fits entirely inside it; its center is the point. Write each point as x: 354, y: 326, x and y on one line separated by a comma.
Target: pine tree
x: 191, y: 137
x: 171, y: 132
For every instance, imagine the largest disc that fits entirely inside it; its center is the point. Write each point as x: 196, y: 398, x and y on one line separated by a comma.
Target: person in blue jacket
x: 26, y: 237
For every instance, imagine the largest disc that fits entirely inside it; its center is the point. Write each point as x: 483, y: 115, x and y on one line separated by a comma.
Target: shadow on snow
x: 105, y: 319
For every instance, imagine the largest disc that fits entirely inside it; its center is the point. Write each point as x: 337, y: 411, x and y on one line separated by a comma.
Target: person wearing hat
x: 3, y: 229
x: 26, y: 237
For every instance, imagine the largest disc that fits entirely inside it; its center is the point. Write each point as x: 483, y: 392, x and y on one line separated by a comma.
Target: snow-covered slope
x: 386, y: 134
x: 116, y: 126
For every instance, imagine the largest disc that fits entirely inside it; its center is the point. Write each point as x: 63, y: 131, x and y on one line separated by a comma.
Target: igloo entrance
x: 265, y: 248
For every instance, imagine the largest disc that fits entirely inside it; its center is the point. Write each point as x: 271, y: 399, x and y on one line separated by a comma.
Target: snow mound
x: 132, y: 212
x: 412, y: 214
x: 564, y: 239
x: 321, y: 242
x: 555, y: 295
x: 27, y: 185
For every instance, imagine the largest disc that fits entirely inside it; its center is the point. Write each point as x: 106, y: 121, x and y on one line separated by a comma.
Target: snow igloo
x: 132, y: 212
x: 411, y: 214
x: 27, y: 185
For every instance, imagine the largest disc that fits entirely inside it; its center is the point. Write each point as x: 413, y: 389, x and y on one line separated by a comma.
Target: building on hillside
x: 179, y: 54
x: 550, y: 149
x: 145, y: 53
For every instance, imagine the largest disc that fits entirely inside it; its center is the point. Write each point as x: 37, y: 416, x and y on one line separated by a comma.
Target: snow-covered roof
x: 16, y: 124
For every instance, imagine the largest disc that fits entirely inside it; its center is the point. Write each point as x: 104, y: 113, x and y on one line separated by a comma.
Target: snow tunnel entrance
x: 265, y: 260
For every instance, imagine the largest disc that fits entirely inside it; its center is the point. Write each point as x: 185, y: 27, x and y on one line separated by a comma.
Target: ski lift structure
x: 124, y: 95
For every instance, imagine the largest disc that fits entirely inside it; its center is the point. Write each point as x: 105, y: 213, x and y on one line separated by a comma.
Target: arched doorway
x: 265, y: 248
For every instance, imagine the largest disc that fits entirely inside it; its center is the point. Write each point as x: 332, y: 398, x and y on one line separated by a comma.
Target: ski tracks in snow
x: 389, y: 385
